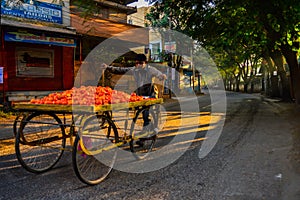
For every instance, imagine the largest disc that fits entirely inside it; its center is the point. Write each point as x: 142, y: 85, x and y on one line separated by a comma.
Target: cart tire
x: 33, y: 152
x: 17, y: 122
x: 16, y: 125
x: 94, y: 150
x: 138, y: 134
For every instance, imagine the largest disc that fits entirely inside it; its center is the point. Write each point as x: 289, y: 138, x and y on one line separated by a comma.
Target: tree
x: 262, y: 27
x: 280, y: 23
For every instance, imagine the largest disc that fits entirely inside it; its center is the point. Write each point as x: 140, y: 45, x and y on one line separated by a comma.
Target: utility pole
x: 193, y: 68
x: 170, y: 59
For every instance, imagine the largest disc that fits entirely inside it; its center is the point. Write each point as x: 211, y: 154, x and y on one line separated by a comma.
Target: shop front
x: 36, y: 58
x: 35, y: 61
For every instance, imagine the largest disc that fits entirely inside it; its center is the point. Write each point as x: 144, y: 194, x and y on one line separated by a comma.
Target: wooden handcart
x: 42, y: 132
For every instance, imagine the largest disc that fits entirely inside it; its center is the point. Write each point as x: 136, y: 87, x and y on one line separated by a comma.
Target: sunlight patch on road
x: 203, y: 121
x: 7, y: 147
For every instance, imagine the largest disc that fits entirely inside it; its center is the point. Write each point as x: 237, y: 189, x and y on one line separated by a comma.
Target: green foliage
x: 240, y: 30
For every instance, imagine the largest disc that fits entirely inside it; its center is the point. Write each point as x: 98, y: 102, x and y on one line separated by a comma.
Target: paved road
x: 256, y: 157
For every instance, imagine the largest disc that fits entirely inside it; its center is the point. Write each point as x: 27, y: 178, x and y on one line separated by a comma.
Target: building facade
x: 42, y: 41
x: 37, y: 49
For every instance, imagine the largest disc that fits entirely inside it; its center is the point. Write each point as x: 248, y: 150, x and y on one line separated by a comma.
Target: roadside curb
x: 273, y: 101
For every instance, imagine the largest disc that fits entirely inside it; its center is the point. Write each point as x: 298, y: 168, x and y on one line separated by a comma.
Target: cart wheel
x: 94, y: 150
x: 142, y: 138
x: 16, y: 125
x: 40, y: 142
x: 17, y: 122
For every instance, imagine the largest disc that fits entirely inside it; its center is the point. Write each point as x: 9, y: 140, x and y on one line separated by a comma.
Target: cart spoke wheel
x: 142, y: 137
x: 40, y: 142
x: 94, y: 153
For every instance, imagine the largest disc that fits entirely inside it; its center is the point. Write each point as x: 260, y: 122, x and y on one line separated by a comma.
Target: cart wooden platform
x: 41, y: 133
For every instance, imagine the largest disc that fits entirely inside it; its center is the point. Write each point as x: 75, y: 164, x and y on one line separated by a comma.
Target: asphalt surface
x: 256, y: 157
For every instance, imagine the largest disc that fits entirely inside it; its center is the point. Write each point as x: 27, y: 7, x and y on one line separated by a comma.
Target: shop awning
x: 106, y: 29
x: 36, y: 26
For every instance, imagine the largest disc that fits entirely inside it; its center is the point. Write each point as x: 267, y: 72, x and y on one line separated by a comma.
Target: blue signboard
x: 38, y: 38
x: 32, y: 9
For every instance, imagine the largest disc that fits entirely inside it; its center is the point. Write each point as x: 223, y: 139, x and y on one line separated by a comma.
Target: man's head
x: 140, y: 60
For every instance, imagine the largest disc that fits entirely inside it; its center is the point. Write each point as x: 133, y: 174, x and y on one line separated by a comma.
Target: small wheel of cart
x: 143, y: 136
x: 94, y: 149
x: 40, y: 141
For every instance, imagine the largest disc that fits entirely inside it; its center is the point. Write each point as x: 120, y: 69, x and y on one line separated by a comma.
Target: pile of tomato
x: 88, y: 95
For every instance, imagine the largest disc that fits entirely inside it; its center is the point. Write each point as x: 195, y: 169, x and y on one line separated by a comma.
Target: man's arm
x: 155, y: 72
x: 117, y: 70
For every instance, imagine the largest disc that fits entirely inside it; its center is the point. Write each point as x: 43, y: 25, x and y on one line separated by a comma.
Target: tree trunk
x: 237, y: 84
x: 263, y: 83
x: 275, y: 92
x: 252, y: 87
x: 278, y: 60
x: 263, y: 79
x: 268, y: 84
x: 291, y: 59
x: 273, y: 87
x: 231, y: 84
x: 245, y: 87
x: 177, y: 62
